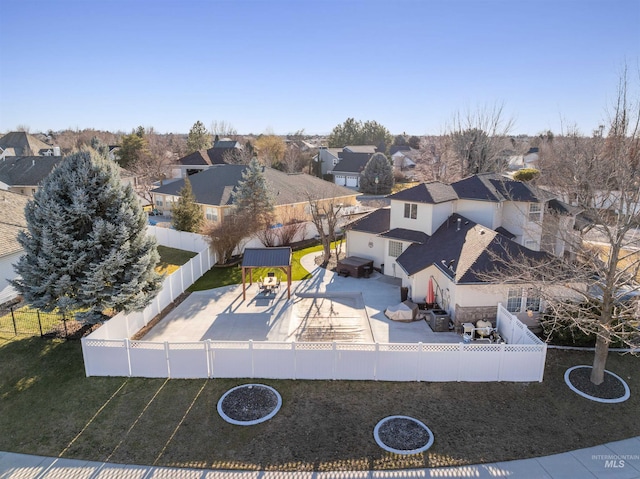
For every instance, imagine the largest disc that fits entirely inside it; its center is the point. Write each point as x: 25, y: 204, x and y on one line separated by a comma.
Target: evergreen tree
x: 199, y: 138
x: 252, y: 195
x: 132, y: 148
x: 378, y: 167
x: 86, y: 247
x: 187, y: 214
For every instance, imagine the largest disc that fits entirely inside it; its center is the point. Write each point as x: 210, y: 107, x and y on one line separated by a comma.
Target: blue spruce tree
x: 86, y: 247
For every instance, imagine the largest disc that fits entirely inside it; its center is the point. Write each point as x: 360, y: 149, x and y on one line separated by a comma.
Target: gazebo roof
x: 267, y: 257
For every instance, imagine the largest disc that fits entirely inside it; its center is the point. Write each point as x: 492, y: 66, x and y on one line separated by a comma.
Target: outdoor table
x: 270, y: 283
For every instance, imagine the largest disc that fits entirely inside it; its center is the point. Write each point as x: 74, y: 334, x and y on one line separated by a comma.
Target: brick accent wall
x: 471, y: 314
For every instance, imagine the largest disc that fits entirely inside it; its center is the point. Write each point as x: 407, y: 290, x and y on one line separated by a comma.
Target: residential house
x: 12, y: 221
x: 23, y: 174
x: 351, y: 162
x: 20, y: 143
x: 518, y: 162
x: 330, y: 157
x: 405, y: 159
x: 213, y: 189
x: 203, y: 159
x: 451, y: 235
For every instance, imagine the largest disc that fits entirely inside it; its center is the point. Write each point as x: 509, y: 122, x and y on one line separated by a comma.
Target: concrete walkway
x: 614, y: 460
x: 620, y: 459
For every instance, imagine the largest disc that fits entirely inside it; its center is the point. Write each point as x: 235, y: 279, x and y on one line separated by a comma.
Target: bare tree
x: 294, y: 159
x: 593, y: 290
x: 223, y: 129
x: 291, y: 229
x: 229, y: 234
x: 241, y: 156
x: 434, y: 164
x: 154, y: 165
x: 325, y: 215
x: 475, y: 139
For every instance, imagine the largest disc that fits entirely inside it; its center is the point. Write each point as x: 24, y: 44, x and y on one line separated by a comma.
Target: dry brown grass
x: 48, y: 407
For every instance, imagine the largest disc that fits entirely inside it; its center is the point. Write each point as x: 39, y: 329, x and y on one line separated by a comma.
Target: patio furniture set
x: 269, y: 284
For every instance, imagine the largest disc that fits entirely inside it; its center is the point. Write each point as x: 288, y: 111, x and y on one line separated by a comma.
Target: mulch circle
x: 249, y: 404
x: 612, y: 390
x: 403, y: 435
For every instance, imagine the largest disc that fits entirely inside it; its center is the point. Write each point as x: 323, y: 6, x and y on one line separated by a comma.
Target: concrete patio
x: 326, y: 307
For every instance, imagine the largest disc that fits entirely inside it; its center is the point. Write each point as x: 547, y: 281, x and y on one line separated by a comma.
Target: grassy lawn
x: 171, y: 259
x: 219, y: 276
x: 48, y: 406
x: 26, y: 320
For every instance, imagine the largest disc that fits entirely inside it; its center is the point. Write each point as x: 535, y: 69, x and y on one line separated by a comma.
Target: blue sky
x: 289, y: 65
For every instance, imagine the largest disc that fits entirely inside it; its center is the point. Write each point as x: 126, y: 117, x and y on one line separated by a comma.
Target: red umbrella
x: 430, y: 296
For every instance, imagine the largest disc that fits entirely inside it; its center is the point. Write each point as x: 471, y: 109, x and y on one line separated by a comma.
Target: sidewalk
x: 614, y: 460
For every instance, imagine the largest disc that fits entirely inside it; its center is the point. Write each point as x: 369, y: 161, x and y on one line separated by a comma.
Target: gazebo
x: 274, y: 257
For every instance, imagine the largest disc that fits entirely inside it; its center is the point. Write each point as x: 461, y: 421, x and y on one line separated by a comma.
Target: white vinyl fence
x: 291, y: 360
x: 112, y: 354
x: 125, y: 325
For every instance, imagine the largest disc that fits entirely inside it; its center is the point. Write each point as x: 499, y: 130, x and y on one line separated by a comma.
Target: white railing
x: 513, y: 330
x: 328, y: 361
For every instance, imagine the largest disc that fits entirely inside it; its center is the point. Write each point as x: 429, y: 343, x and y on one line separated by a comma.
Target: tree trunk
x: 326, y: 246
x: 600, y: 357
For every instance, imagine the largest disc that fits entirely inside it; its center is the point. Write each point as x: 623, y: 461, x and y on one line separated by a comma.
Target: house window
x: 514, y: 301
x: 159, y: 200
x: 395, y: 249
x: 533, y: 300
x: 212, y: 214
x: 411, y: 210
x: 534, y: 212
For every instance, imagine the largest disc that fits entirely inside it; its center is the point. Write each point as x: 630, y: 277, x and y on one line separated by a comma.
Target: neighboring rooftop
x: 352, y: 162
x: 16, y: 171
x: 12, y: 221
x: 215, y: 185
x: 371, y: 149
x: 20, y: 143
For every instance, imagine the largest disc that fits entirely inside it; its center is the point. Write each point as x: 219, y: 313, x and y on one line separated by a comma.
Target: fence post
x: 207, y: 348
x: 376, y: 362
x: 39, y: 322
x: 335, y: 360
x: 127, y: 347
x: 419, y: 361
x: 166, y: 355
x: 13, y: 318
x: 501, y: 361
x: 251, y: 357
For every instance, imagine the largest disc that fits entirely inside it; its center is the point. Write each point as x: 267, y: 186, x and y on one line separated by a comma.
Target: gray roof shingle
x: 464, y: 251
x: 377, y: 222
x: 215, y: 185
x: 406, y: 235
x: 27, y: 170
x: 352, y: 162
x: 12, y: 221
x: 497, y: 188
x: 433, y: 193
x: 23, y: 144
